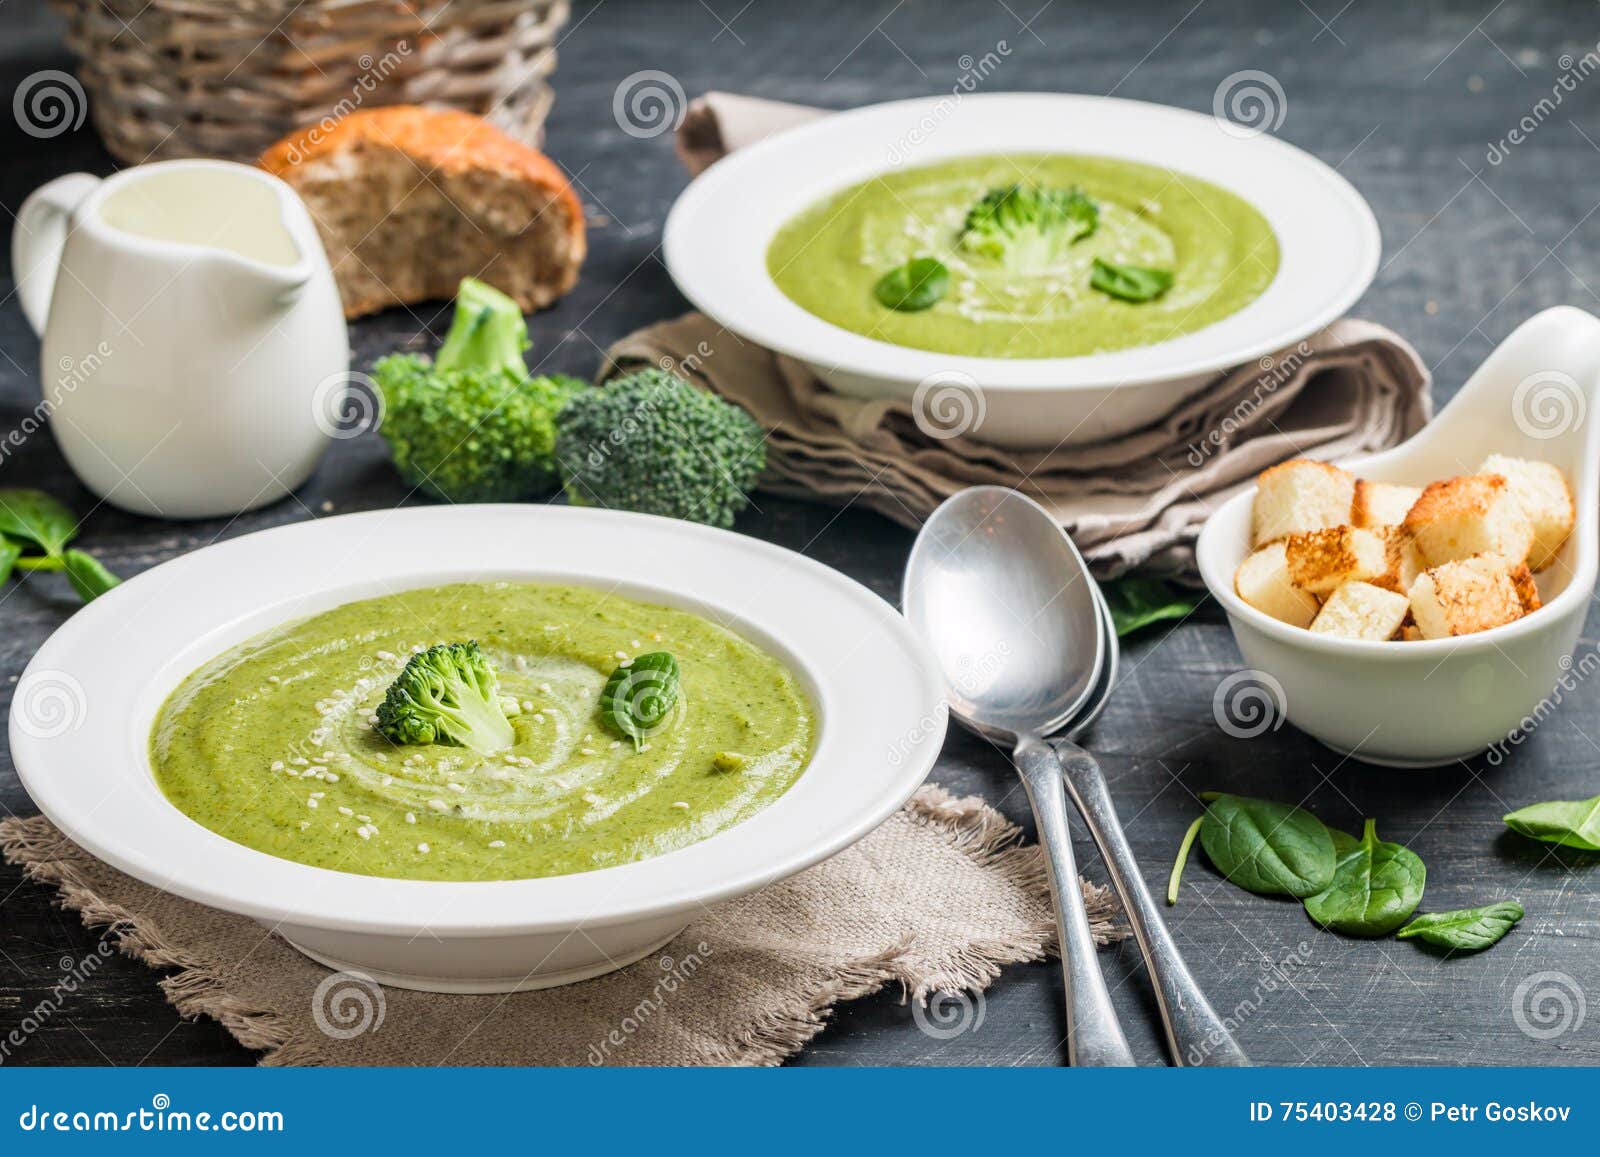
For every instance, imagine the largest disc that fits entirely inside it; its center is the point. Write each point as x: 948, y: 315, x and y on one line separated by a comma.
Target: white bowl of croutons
x: 1418, y: 606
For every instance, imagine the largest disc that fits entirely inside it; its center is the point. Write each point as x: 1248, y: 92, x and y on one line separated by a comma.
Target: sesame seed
x: 364, y: 832
x: 311, y: 803
x: 315, y: 769
x: 456, y: 786
x: 590, y: 797
x: 277, y: 765
x: 411, y: 817
x: 680, y: 803
x: 497, y: 843
x: 438, y: 805
x: 386, y: 780
x: 544, y: 687
x: 364, y: 819
x: 588, y: 751
x: 386, y: 656
x: 423, y: 848
x: 344, y: 811
x: 625, y: 663
x: 527, y: 704
x: 298, y: 762
x: 620, y: 654
x: 331, y: 777
x: 273, y: 679
x: 635, y: 643
x: 318, y: 794
x: 616, y: 743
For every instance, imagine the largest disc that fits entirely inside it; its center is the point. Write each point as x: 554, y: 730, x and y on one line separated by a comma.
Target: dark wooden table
x: 1406, y: 100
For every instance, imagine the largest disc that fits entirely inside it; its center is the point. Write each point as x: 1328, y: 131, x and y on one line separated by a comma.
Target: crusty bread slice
x: 410, y: 200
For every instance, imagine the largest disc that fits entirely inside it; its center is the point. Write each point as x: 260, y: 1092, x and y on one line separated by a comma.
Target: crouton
x: 1262, y: 580
x: 1300, y: 496
x: 1465, y: 596
x: 1470, y: 515
x: 1403, y: 557
x: 1527, y: 589
x: 1381, y: 504
x: 1323, y: 560
x: 1546, y: 499
x: 1361, y: 611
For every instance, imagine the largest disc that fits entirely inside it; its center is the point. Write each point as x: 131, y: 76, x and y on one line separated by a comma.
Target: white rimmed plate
x: 718, y: 233
x: 82, y: 713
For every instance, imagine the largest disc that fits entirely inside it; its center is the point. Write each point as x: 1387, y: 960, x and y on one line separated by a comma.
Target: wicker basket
x: 226, y: 78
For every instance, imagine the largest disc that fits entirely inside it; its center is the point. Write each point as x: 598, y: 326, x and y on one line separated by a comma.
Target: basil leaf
x: 1139, y: 601
x: 1267, y: 847
x: 1129, y: 282
x: 1570, y: 823
x: 916, y: 285
x: 1375, y: 887
x: 638, y: 697
x: 1465, y: 929
x: 9, y: 553
x: 87, y: 574
x: 35, y: 516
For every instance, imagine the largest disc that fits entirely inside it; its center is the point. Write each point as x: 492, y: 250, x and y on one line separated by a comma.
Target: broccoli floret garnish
x: 471, y: 425
x: 449, y: 695
x: 1028, y: 227
x: 652, y: 442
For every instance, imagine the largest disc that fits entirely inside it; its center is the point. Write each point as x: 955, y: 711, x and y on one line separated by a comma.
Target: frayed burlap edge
x: 972, y: 827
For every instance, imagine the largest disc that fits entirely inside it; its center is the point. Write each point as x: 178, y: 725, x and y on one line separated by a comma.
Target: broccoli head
x: 471, y: 425
x: 1028, y: 227
x: 652, y: 442
x: 449, y: 695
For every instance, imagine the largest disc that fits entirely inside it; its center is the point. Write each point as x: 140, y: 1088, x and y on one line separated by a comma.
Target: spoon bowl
x: 1006, y: 602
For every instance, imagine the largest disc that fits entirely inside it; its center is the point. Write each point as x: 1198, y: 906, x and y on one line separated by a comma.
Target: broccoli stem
x: 487, y: 333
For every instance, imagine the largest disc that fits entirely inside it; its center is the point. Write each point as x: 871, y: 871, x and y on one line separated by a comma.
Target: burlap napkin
x: 935, y: 901
x: 1133, y: 501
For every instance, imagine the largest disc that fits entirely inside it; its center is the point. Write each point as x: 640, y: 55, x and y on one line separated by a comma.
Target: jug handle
x: 38, y: 238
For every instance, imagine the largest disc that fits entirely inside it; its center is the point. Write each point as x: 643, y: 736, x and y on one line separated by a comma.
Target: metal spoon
x: 1006, y: 605
x: 1195, y: 1034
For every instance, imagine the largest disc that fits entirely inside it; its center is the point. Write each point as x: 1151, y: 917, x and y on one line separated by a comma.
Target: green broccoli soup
x: 1026, y: 256
x: 484, y: 731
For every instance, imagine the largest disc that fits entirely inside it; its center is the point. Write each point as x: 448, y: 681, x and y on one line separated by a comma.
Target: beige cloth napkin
x: 935, y: 901
x: 1133, y: 501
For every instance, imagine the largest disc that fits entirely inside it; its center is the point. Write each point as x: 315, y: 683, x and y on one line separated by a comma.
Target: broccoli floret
x: 1027, y: 227
x: 471, y: 425
x: 449, y: 695
x: 652, y: 442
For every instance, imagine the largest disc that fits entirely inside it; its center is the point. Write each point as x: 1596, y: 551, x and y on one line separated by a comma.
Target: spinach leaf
x: 87, y: 574
x: 1129, y: 282
x: 916, y: 285
x: 1267, y: 847
x: 35, y: 516
x: 1466, y: 929
x: 1138, y: 601
x: 1375, y: 887
x: 1570, y: 823
x: 9, y: 553
x: 636, y: 698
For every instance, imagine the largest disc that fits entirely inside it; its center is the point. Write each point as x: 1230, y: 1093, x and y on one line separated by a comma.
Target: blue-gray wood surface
x: 1406, y: 100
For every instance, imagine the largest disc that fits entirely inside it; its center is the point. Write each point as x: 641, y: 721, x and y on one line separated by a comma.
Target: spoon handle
x: 1094, y: 1037
x: 1196, y: 1035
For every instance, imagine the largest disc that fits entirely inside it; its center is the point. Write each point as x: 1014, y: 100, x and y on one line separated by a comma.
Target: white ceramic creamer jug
x: 193, y: 340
